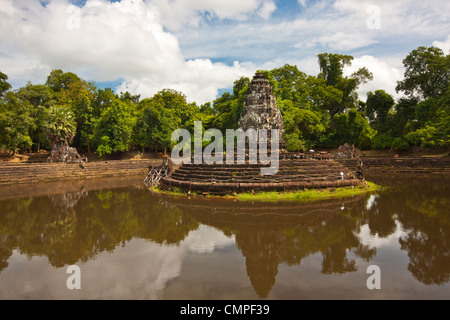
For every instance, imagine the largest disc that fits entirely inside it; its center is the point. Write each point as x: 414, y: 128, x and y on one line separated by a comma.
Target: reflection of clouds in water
x: 206, y: 239
x: 170, y: 261
x: 374, y: 241
x: 371, y: 201
x: 139, y: 270
x: 203, y: 240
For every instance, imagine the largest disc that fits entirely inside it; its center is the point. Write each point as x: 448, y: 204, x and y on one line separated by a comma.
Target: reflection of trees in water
x: 423, y: 213
x: 427, y: 220
x: 4, y: 256
x: 67, y: 200
x: 79, y: 226
x: 71, y: 231
x: 332, y: 239
x: 266, y: 241
x: 380, y: 218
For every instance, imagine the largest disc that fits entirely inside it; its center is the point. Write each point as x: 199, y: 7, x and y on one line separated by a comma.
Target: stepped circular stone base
x: 295, y: 174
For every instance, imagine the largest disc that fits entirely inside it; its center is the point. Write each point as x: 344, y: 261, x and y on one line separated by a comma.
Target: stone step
x: 257, y: 165
x: 11, y: 173
x: 257, y: 171
x: 258, y: 181
x: 292, y: 174
x: 243, y: 174
x: 227, y: 188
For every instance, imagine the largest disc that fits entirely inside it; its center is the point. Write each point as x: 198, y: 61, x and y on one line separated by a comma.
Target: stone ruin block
x: 346, y: 152
x: 260, y: 109
x: 64, y: 153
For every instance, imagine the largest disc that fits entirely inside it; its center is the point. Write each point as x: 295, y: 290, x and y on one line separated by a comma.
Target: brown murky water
x: 132, y: 244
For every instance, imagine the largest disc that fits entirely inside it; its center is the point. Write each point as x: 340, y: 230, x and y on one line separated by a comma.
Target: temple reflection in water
x: 78, y: 226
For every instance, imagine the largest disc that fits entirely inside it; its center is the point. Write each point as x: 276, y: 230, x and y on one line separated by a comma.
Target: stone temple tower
x: 260, y: 108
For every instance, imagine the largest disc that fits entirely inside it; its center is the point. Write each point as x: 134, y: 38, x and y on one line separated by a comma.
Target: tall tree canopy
x: 378, y: 106
x: 113, y: 131
x: 332, y: 71
x: 4, y: 85
x: 60, y: 125
x: 318, y: 111
x: 426, y: 86
x: 427, y: 73
x: 15, y: 123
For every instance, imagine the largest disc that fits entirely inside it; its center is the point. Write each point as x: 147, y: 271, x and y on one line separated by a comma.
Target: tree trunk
x: 331, y: 119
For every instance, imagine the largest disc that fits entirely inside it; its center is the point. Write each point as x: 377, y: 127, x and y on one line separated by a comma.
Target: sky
x: 200, y: 47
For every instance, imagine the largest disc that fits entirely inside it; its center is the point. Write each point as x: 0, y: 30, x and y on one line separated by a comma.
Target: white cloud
x: 207, y: 239
x: 409, y: 18
x: 342, y: 41
x: 153, y: 266
x: 114, y: 40
x: 199, y: 79
x: 444, y: 45
x: 371, y: 201
x: 267, y: 9
x: 374, y: 241
x: 176, y: 43
x: 385, y: 76
x: 176, y: 13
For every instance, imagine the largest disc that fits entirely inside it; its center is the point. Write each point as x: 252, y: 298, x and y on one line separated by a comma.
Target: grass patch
x: 173, y: 192
x: 310, y: 195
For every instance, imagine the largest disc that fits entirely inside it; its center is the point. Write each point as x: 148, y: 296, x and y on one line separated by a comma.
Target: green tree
x: 353, y: 128
x: 15, y: 123
x: 302, y: 127
x: 382, y: 141
x: 129, y: 97
x: 39, y: 97
x: 228, y: 107
x: 79, y: 95
x: 426, y: 85
x: 4, y: 85
x: 399, y: 143
x: 59, y: 80
x: 60, y: 126
x: 332, y: 71
x: 290, y: 83
x: 113, y: 131
x: 176, y: 101
x: 403, y: 116
x: 378, y: 106
x: 155, y: 125
x: 427, y: 73
x: 297, y: 98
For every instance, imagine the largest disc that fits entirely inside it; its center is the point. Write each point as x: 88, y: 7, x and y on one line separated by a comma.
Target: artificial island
x: 297, y: 171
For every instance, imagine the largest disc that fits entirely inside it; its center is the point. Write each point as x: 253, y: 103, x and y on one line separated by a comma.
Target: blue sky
x: 200, y: 47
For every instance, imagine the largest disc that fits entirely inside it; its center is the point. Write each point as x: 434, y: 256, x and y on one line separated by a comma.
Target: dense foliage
x: 318, y: 111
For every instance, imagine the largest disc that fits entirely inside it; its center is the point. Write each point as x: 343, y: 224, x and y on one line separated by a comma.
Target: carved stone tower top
x: 260, y: 108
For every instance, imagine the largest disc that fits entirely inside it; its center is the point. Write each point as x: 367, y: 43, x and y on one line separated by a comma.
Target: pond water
x: 132, y: 244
